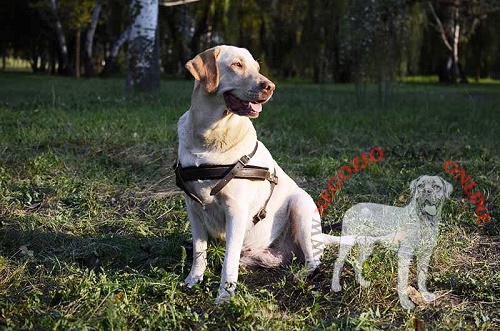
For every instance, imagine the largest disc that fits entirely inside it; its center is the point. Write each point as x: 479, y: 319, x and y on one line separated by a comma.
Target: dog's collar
x: 225, y: 173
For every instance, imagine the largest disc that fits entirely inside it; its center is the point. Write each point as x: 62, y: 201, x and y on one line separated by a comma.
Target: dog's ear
x: 448, y: 188
x: 204, y: 68
x: 413, y: 185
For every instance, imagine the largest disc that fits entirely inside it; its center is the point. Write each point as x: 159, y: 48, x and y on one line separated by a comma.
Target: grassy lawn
x: 94, y: 235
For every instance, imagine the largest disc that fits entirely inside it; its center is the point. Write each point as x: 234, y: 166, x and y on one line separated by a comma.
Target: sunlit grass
x: 93, y: 235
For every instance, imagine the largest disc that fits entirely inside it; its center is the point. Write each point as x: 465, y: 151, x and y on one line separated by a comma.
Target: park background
x: 318, y: 41
x: 93, y: 232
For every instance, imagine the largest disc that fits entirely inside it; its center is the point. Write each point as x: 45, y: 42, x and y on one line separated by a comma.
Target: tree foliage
x: 317, y: 40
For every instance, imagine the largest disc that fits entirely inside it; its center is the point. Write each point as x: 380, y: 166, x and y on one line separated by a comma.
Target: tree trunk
x: 454, y: 50
x: 453, y: 69
x: 34, y: 60
x: 143, y: 72
x: 63, y: 48
x: 113, y: 54
x: 89, y: 40
x: 77, y: 51
x: 53, y: 60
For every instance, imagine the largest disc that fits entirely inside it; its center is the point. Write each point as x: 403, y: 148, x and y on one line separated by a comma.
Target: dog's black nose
x: 267, y: 85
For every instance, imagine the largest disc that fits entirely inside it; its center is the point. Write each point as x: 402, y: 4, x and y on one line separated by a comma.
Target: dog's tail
x: 264, y: 258
x: 330, y: 240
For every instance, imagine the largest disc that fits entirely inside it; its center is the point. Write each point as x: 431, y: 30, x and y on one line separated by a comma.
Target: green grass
x: 94, y: 237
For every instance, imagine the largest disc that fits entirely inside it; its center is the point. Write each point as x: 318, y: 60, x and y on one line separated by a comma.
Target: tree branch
x: 176, y: 3
x: 92, y: 27
x: 441, y: 27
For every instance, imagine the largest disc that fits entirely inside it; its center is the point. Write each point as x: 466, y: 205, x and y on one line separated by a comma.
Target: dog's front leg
x: 404, y: 259
x: 422, y: 267
x: 200, y: 237
x: 236, y: 226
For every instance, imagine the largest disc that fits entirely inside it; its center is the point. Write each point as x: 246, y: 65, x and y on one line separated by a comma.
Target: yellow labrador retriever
x: 235, y: 190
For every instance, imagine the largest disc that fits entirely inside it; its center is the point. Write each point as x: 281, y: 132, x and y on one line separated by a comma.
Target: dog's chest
x: 210, y: 216
x: 420, y: 235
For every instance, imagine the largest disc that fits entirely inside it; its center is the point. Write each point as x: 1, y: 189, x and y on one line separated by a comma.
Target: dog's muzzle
x: 430, y: 208
x: 242, y: 107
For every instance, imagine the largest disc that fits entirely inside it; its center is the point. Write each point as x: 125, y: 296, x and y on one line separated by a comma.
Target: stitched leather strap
x: 179, y: 181
x: 242, y: 162
x: 226, y: 173
x: 262, y: 212
x: 219, y: 172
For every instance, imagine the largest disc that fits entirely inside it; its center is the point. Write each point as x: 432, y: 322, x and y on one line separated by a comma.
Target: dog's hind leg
x: 346, y: 244
x: 306, y: 230
x: 364, y: 252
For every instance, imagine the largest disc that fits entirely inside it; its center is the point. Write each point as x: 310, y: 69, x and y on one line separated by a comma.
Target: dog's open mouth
x: 429, y: 208
x: 242, y: 107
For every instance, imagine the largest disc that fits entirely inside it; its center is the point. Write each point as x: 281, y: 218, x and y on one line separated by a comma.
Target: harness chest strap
x: 242, y: 162
x: 240, y: 169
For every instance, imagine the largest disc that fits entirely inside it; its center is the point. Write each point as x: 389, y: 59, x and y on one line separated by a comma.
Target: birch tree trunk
x: 89, y: 40
x: 63, y: 47
x: 143, y: 72
x: 453, y: 68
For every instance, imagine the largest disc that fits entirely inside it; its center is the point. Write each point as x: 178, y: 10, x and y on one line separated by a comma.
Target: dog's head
x: 233, y: 73
x: 429, y: 194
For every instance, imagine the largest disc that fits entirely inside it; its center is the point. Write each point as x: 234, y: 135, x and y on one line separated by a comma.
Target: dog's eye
x: 436, y: 187
x: 237, y: 64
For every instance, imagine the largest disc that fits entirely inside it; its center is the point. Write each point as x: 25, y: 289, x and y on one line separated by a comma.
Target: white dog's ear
x: 413, y: 185
x: 448, y: 188
x: 204, y: 68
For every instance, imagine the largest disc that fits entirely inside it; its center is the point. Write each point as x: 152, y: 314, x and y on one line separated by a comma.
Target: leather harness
x: 239, y: 170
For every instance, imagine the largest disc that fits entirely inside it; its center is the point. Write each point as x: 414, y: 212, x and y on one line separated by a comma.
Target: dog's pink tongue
x: 256, y: 107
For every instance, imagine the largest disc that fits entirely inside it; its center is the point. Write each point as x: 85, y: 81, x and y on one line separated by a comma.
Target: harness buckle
x: 259, y: 216
x: 273, y: 179
x: 244, y: 160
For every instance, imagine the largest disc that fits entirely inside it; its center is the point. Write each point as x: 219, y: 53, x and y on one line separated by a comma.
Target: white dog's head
x: 233, y: 73
x: 429, y: 193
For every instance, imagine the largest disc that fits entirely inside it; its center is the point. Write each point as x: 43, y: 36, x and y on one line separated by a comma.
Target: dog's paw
x: 428, y: 296
x: 406, y: 303
x: 225, y: 293
x: 363, y: 282
x: 336, y: 287
x: 222, y: 298
x: 191, y: 281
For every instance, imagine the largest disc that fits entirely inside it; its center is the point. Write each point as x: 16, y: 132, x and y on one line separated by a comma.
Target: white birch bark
x: 143, y: 54
x: 89, y: 38
x: 60, y: 35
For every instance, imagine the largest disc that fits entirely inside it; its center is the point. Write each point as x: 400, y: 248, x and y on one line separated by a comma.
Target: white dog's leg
x: 344, y: 249
x: 404, y: 259
x: 236, y: 226
x: 306, y: 225
x: 200, y: 237
x: 364, y: 252
x: 422, y: 267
